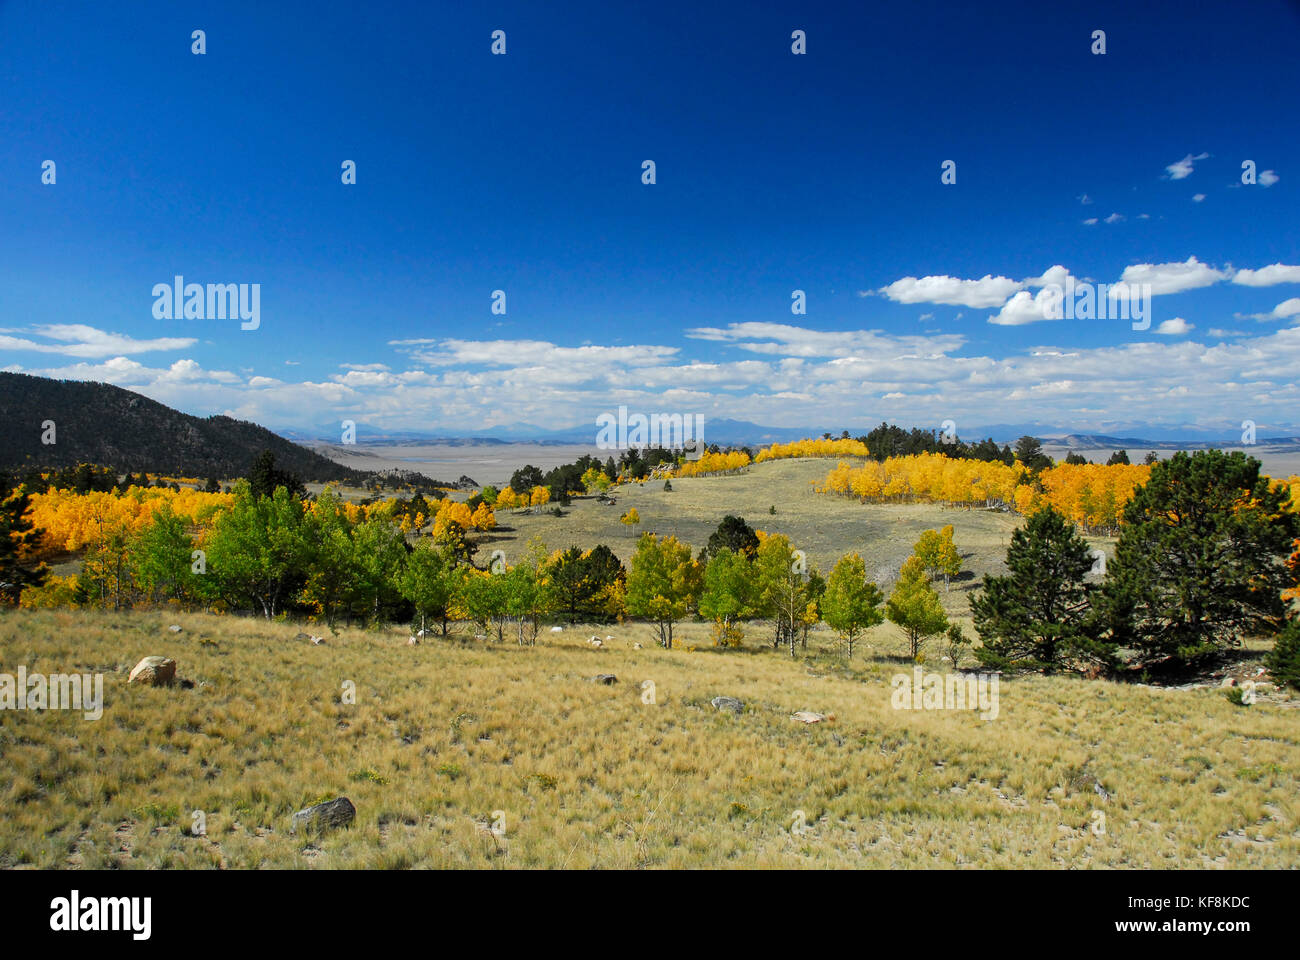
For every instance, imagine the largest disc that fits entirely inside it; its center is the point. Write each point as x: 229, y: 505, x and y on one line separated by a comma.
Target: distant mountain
x: 106, y: 425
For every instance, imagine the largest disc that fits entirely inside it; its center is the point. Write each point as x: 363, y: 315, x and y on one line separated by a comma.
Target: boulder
x: 329, y: 815
x: 153, y: 671
x: 807, y: 716
x: 175, y: 628
x: 727, y: 703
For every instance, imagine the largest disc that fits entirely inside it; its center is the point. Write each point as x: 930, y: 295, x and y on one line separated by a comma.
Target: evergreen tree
x: 1201, y: 559
x: 1038, y: 615
x: 734, y: 534
x: 18, y: 539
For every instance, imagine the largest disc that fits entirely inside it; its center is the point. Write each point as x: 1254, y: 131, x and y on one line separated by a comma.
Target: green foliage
x: 258, y: 553
x: 1283, y: 661
x: 17, y: 539
x: 585, y: 587
x: 938, y: 553
x: 734, y: 534
x: 730, y: 593
x: 662, y: 583
x: 163, y: 558
x: 428, y: 581
x: 1038, y: 615
x: 915, y: 607
x: 851, y: 603
x: 1201, y: 559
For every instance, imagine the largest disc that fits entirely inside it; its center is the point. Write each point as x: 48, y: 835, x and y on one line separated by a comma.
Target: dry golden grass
x: 446, y: 734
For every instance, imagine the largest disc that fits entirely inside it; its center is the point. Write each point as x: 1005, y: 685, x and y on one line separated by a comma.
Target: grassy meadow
x: 465, y: 753
x: 452, y: 737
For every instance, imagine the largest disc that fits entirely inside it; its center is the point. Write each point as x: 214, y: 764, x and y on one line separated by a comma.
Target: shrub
x: 1283, y: 661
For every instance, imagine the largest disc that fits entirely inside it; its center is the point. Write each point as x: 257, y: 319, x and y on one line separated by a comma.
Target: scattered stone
x: 153, y: 671
x: 187, y: 684
x: 727, y: 703
x: 557, y: 629
x: 420, y: 634
x: 325, y: 816
x: 303, y: 636
x: 317, y: 641
x: 636, y: 646
x: 807, y: 716
x: 1228, y: 682
x: 605, y: 678
x: 412, y: 642
x: 175, y: 628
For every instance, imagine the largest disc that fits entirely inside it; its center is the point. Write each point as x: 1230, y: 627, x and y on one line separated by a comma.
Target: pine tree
x: 1201, y: 559
x: 18, y: 539
x: 1038, y: 615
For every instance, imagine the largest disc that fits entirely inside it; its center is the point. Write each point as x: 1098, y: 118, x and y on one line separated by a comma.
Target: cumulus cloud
x: 1268, y: 276
x: 1267, y: 178
x: 1181, y: 169
x: 1288, y: 308
x: 1174, y: 328
x: 988, y: 291
x: 1197, y: 197
x: 1173, y: 277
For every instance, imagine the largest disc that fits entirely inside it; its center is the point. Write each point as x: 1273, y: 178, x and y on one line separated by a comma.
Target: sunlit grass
x: 451, y: 737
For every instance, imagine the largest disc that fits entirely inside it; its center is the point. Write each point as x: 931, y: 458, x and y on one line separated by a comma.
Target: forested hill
x: 106, y: 425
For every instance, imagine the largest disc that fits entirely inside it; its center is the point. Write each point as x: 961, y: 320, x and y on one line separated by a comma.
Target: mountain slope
x: 106, y: 425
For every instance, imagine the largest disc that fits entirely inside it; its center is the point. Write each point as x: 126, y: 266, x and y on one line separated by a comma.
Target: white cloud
x: 1267, y: 178
x: 1091, y: 221
x: 1115, y: 218
x: 1173, y: 277
x: 1197, y: 197
x: 988, y: 291
x: 1268, y: 276
x: 1288, y: 308
x: 1183, y: 168
x: 1085, y: 200
x: 80, y: 340
x: 1174, y: 328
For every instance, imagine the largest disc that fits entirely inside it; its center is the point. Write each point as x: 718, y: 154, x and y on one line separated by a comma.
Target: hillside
x: 449, y: 738
x: 106, y: 425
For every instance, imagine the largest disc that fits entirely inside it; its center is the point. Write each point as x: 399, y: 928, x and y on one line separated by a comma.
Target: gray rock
x: 153, y: 671
x: 605, y: 678
x: 727, y: 703
x: 329, y: 815
x: 175, y: 628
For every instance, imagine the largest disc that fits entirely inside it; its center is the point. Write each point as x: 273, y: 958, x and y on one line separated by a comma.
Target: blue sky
x: 775, y: 172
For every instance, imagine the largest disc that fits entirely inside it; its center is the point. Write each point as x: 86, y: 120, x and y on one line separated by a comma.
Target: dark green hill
x: 106, y: 425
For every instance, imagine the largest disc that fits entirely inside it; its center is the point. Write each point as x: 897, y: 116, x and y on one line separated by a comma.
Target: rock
x: 187, y: 684
x: 1100, y: 791
x: 325, y: 816
x: 153, y: 671
x: 557, y: 629
x: 608, y: 638
x: 175, y: 628
x: 1228, y: 682
x: 807, y: 716
x: 636, y: 646
x: 303, y: 636
x: 412, y: 642
x: 727, y: 703
x: 605, y: 678
x: 317, y: 641
x: 420, y: 634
